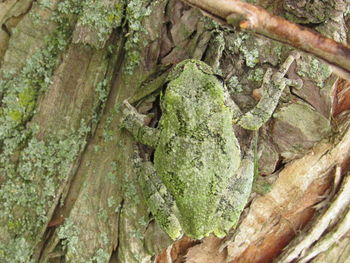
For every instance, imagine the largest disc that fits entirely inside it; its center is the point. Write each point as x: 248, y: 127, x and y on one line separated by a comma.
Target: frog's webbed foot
x: 160, y: 201
x: 134, y: 123
x: 273, y: 85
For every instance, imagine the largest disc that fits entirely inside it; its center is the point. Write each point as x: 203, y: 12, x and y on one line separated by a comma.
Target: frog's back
x: 197, y: 151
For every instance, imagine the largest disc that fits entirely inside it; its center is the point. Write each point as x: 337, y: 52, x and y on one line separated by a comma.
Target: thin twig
x: 329, y: 240
x: 250, y: 17
x: 337, y: 207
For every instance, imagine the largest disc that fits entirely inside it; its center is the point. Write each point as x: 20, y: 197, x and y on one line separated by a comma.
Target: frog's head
x: 187, y: 64
x: 192, y: 82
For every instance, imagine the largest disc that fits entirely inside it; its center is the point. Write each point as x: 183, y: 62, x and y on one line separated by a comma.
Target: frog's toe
x: 173, y: 228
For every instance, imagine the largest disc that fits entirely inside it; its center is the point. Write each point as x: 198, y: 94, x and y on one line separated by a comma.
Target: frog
x: 199, y: 183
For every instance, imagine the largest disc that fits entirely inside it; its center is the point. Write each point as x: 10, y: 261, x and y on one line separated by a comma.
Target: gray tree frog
x: 199, y: 183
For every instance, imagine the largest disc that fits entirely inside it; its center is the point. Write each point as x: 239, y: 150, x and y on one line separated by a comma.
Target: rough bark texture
x: 68, y: 187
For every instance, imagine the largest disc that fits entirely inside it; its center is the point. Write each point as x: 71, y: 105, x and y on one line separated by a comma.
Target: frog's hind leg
x: 273, y: 86
x: 159, y: 201
x: 236, y: 195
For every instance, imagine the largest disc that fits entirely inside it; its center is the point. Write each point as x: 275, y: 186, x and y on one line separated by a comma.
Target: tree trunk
x: 68, y: 188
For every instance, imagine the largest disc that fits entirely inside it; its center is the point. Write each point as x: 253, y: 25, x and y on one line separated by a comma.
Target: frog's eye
x: 220, y: 78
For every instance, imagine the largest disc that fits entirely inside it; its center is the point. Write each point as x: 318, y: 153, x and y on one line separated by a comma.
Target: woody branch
x: 257, y: 19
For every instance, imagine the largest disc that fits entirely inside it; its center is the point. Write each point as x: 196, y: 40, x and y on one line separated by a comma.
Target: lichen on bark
x: 68, y: 61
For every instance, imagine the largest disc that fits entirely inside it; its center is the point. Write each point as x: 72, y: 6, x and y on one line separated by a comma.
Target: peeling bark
x: 68, y: 188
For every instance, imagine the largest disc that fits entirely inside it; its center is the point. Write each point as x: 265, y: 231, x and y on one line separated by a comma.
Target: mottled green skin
x: 199, y: 184
x: 197, y: 153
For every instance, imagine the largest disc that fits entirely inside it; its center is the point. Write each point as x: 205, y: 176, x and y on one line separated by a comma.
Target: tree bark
x: 68, y: 188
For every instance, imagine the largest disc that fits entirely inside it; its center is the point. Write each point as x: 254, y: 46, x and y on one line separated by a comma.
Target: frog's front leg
x: 273, y: 85
x: 134, y: 123
x: 160, y: 201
